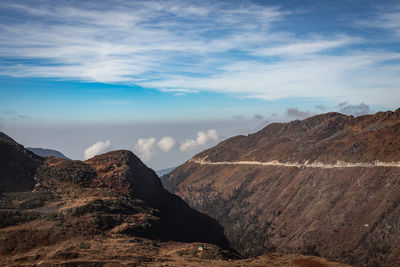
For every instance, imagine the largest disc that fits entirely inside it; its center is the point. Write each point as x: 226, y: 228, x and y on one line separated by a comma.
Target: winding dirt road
x: 339, y: 164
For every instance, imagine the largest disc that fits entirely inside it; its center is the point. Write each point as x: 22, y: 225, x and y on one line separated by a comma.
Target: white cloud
x: 114, y: 43
x: 149, y: 147
x: 96, y: 149
x: 341, y: 78
x: 388, y: 20
x: 137, y: 42
x: 305, y: 47
x: 166, y: 143
x: 146, y: 148
x: 202, y: 139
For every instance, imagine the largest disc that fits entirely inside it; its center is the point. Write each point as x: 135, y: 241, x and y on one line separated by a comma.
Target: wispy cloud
x: 305, y: 47
x: 388, y: 19
x: 120, y: 43
x: 182, y: 47
x: 295, y: 113
x: 358, y: 76
x: 10, y: 115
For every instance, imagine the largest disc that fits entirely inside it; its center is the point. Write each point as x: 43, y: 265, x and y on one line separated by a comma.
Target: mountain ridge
x: 45, y: 202
x: 343, y: 214
x: 321, y: 128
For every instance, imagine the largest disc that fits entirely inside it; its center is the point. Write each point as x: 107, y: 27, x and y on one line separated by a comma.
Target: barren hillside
x: 328, y: 185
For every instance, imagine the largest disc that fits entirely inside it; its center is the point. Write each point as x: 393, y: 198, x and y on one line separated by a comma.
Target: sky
x: 168, y: 79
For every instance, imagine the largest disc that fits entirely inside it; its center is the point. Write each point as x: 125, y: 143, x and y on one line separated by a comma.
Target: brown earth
x: 343, y: 214
x: 110, y: 210
x: 134, y: 251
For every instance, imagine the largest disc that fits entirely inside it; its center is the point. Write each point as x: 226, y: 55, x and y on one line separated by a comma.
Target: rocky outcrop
x: 346, y: 214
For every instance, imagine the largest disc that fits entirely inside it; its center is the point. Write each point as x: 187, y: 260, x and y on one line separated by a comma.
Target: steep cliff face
x: 328, y: 185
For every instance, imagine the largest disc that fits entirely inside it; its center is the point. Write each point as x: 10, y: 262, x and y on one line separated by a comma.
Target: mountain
x: 162, y: 172
x: 110, y: 210
x: 327, y: 185
x: 44, y: 152
x: 52, y: 205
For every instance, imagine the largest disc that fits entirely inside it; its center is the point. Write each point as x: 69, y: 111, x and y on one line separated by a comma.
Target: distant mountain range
x: 327, y: 185
x: 162, y: 172
x: 43, y: 152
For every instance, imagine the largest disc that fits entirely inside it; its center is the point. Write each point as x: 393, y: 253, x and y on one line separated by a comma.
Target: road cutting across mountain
x: 306, y: 164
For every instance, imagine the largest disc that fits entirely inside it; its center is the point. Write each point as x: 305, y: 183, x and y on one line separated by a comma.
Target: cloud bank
x: 98, y: 148
x: 149, y: 147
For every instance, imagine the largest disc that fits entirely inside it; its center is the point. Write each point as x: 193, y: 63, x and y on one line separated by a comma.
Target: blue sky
x: 228, y: 66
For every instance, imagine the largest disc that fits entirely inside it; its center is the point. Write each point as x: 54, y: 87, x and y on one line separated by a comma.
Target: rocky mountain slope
x: 110, y: 210
x: 45, y: 202
x: 45, y: 152
x: 328, y: 185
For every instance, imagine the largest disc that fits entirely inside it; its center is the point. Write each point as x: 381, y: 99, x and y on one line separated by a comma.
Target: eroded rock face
x: 347, y: 214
